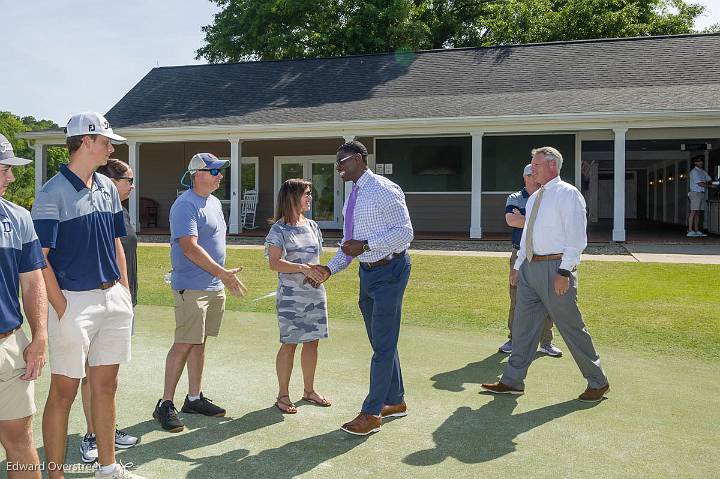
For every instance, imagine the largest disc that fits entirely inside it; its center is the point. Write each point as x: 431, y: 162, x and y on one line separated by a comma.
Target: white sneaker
x: 119, y: 473
x: 700, y: 233
x: 124, y: 440
x: 88, y: 449
x: 691, y: 234
x: 551, y: 350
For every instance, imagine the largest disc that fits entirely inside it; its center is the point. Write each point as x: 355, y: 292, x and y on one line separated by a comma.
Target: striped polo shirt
x: 20, y: 252
x: 79, y: 226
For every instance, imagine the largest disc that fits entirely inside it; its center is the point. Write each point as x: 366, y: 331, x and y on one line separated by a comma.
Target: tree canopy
x: 22, y: 191
x: 284, y: 29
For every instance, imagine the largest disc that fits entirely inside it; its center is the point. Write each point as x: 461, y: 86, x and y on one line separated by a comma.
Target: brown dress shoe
x: 594, y: 394
x: 500, y: 388
x: 363, y: 424
x: 394, y: 410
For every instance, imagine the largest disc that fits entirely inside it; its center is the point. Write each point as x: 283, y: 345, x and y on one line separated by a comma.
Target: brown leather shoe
x: 594, y: 394
x: 500, y: 388
x: 363, y: 424
x: 394, y: 410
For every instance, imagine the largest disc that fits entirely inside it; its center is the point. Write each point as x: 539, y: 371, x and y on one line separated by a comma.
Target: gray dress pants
x: 536, y: 297
x: 547, y: 334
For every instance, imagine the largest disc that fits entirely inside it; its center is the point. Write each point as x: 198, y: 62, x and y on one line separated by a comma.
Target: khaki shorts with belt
x: 17, y: 396
x: 198, y: 314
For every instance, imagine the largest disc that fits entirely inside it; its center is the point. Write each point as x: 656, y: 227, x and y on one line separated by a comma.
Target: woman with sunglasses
x: 293, y: 244
x: 123, y: 178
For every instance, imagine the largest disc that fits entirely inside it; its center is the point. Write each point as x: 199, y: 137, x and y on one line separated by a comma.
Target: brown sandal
x: 290, y: 408
x: 323, y: 400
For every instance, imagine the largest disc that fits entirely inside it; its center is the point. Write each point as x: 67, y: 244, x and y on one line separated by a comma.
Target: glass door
x: 326, y: 207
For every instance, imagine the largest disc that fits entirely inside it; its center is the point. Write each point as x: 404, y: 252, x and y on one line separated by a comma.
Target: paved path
x: 637, y: 253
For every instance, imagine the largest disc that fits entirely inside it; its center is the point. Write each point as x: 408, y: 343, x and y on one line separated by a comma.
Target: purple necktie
x: 349, y: 211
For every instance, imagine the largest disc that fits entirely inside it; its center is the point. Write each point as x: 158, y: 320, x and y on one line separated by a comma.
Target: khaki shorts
x: 697, y: 201
x: 17, y: 396
x: 95, y: 329
x: 198, y: 314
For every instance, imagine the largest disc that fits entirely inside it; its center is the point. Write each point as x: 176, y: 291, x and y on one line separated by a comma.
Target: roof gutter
x: 438, y: 125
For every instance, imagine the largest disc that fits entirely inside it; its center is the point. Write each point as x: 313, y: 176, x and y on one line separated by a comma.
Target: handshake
x: 315, y: 274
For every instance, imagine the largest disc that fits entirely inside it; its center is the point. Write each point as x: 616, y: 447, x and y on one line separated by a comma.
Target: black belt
x: 108, y: 284
x: 383, y: 261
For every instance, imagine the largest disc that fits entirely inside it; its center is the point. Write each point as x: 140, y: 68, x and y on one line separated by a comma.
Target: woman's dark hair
x: 114, y: 169
x: 289, y: 199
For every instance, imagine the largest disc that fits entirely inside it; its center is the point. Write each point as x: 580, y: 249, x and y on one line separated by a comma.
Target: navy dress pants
x: 381, y: 295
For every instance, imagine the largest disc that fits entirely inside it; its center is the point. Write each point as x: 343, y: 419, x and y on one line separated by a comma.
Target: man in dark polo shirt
x: 79, y: 220
x: 515, y: 217
x: 21, y: 362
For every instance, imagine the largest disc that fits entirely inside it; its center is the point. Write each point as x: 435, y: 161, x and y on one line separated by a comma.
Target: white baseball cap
x: 7, y: 155
x: 205, y: 161
x: 528, y: 170
x: 91, y: 123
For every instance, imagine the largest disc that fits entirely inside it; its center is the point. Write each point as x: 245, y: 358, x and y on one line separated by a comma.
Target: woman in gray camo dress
x: 292, y: 245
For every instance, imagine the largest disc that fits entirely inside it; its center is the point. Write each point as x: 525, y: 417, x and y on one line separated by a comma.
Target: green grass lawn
x: 645, y: 307
x: 657, y: 332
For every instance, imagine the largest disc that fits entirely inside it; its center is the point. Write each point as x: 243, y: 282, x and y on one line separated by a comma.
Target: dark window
x: 504, y: 157
x: 428, y: 164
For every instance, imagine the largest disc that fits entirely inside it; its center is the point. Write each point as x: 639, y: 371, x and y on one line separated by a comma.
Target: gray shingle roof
x: 641, y: 74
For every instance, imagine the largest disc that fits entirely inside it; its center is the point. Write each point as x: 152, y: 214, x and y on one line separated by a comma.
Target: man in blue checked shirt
x: 21, y: 263
x: 378, y: 232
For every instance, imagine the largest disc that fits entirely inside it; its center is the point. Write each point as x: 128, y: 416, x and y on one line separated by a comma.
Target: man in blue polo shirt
x: 79, y: 220
x: 199, y: 279
x: 21, y: 261
x: 515, y: 217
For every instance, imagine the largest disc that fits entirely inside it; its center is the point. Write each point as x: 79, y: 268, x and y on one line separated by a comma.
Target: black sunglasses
x: 213, y: 171
x: 127, y: 178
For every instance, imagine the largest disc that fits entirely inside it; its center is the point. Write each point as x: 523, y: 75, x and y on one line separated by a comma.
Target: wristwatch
x: 366, y: 246
x: 564, y: 272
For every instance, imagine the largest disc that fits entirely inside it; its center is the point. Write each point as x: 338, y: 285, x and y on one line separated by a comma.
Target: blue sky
x: 59, y: 58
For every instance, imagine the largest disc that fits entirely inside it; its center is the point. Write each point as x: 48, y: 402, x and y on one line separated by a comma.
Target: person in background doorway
x: 699, y: 180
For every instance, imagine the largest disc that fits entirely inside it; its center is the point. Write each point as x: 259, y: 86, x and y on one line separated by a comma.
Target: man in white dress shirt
x: 546, y: 277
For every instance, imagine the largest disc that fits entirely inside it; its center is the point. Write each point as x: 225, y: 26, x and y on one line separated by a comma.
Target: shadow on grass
x: 474, y: 373
x: 284, y: 462
x: 487, y: 433
x: 485, y: 371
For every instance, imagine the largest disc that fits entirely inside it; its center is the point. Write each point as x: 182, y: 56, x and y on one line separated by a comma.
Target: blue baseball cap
x: 206, y: 161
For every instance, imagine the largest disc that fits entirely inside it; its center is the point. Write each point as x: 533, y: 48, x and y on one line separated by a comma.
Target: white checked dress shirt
x: 560, y: 224
x: 381, y: 217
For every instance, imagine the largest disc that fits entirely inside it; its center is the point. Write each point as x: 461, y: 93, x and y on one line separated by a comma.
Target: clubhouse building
x: 453, y: 128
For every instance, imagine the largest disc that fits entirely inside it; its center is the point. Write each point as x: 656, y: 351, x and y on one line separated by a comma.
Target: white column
x: 618, y: 233
x: 476, y: 196
x: 235, y: 166
x: 40, y: 166
x: 134, y: 200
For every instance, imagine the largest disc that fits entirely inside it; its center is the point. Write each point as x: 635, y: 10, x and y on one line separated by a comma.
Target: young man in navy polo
x: 21, y: 261
x: 79, y: 220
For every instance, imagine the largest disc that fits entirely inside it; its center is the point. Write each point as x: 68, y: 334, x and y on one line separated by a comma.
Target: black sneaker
x: 202, y: 406
x: 166, y: 414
